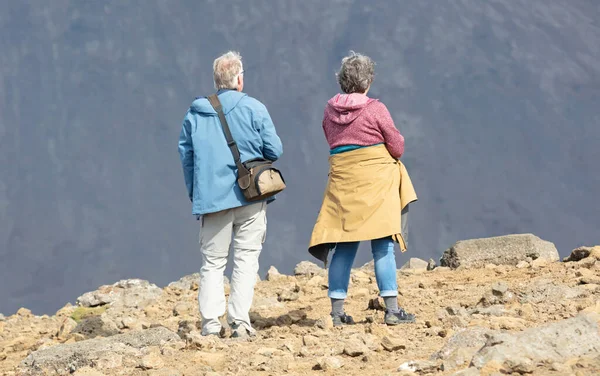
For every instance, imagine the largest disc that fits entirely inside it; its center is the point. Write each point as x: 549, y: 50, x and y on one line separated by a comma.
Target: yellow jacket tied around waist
x: 366, y: 192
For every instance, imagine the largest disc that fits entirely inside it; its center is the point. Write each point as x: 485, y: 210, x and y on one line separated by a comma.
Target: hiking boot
x: 400, y: 317
x: 240, y: 331
x: 342, y: 320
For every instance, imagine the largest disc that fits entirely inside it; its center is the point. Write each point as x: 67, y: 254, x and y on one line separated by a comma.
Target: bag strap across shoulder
x: 235, y: 151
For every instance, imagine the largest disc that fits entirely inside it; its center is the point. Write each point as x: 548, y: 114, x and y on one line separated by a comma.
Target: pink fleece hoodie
x: 355, y: 119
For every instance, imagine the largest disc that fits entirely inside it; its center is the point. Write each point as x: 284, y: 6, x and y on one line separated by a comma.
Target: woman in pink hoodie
x: 353, y: 121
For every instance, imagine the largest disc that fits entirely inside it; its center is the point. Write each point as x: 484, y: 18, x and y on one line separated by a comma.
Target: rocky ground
x: 523, y: 314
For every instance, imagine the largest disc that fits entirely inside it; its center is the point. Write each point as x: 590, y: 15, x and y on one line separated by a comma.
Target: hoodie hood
x: 229, y: 99
x: 345, y: 108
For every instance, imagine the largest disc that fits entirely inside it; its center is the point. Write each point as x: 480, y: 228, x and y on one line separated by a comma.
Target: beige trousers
x: 248, y: 225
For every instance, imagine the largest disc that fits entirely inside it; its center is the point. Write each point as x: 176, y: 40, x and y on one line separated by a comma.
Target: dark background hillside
x: 498, y: 101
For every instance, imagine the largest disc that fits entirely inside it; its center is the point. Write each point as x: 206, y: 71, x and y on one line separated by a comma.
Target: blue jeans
x: 385, y: 267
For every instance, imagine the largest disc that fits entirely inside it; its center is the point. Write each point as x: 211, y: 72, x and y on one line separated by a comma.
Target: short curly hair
x: 356, y: 73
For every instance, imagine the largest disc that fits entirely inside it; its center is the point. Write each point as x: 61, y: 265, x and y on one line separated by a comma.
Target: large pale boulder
x: 553, y: 343
x: 67, y: 358
x: 129, y: 293
x: 415, y: 264
x: 307, y: 268
x: 501, y: 250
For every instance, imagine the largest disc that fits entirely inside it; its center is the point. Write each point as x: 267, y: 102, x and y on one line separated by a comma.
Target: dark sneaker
x: 400, y: 317
x: 240, y: 331
x: 342, y: 320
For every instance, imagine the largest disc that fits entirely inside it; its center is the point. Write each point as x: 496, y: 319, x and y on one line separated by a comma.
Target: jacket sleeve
x: 272, y: 147
x: 186, y: 154
x: 394, y: 141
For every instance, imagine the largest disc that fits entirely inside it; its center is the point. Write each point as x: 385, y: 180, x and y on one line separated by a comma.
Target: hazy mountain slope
x: 497, y: 100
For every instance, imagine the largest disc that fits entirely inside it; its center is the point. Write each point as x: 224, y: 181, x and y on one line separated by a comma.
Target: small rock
x: 310, y: 340
x: 304, y: 352
x: 377, y: 303
x: 392, y: 344
x: 587, y: 273
x: 329, y: 363
x: 371, y: 341
x: 540, y: 263
x: 355, y: 347
x: 195, y: 340
x: 491, y: 266
x: 415, y: 264
x: 24, y: 312
x: 273, y: 274
x: 151, y: 361
x: 508, y: 323
x: 522, y: 265
x: 456, y: 322
x: 589, y: 281
x: 588, y: 263
x: 431, y: 264
x: 499, y: 288
x: 187, y: 326
x: 441, y: 269
x: 152, y: 311
x: 96, y: 326
x: 291, y: 318
x: 593, y: 308
x: 75, y: 337
x: 420, y: 366
x: 581, y: 253
x: 288, y: 296
x: 526, y: 311
x: 308, y: 268
x: 325, y: 322
x: 317, y: 281
x: 183, y: 309
x: 457, y: 311
x: 499, y: 294
x: 562, y: 368
x: 2, y: 317
x: 67, y: 326
x: 188, y: 282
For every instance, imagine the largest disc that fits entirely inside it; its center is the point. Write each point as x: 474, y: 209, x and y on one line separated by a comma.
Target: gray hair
x: 356, y: 73
x: 226, y: 69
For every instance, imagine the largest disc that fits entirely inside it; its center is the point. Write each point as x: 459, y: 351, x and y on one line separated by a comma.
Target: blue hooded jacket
x: 208, y: 166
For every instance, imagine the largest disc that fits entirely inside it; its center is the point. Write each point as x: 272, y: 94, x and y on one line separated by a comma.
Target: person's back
x: 352, y: 121
x: 214, y: 180
x: 211, y: 179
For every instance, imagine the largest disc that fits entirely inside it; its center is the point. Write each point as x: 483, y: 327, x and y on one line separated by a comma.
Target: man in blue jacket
x: 211, y: 179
